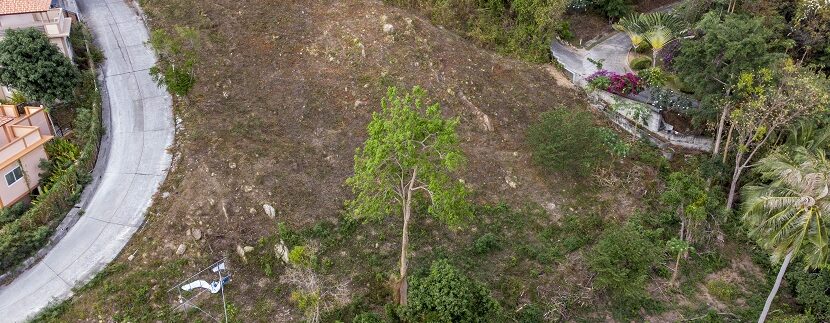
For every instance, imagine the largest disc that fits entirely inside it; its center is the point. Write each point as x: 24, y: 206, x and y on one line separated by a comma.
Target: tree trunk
x: 402, y: 284
x: 654, y: 57
x: 676, y: 268
x: 733, y: 187
x: 719, y: 134
x: 775, y: 287
x: 727, y: 143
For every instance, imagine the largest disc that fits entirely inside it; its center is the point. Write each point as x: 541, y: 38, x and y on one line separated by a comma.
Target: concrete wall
x: 651, y: 126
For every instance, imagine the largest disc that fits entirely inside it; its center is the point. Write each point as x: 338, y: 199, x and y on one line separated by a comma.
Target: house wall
x: 39, y: 120
x: 31, y: 176
x: 58, y: 33
x: 10, y: 21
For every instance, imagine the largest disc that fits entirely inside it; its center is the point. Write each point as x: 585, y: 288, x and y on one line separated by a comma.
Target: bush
x: 564, y: 31
x: 722, y: 290
x: 613, y: 8
x: 622, y: 260
x: 620, y: 84
x: 613, y: 143
x: 447, y: 295
x: 367, y: 317
x: 640, y: 63
x: 811, y: 291
x: 531, y: 313
x: 653, y: 76
x: 486, y: 243
x: 567, y: 140
x: 9, y: 214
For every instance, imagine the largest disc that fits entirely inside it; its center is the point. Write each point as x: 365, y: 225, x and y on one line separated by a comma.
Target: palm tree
x: 660, y: 29
x: 632, y: 27
x: 788, y: 216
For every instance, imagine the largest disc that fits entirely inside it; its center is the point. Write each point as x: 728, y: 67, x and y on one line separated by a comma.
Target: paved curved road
x: 140, y: 127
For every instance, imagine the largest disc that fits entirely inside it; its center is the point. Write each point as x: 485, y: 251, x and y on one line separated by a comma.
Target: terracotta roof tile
x: 9, y: 7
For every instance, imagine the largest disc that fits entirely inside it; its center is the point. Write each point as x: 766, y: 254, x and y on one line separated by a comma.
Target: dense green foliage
x: 22, y: 237
x: 811, y: 291
x: 29, y: 63
x: 622, y: 259
x: 786, y: 214
x: 447, y: 295
x: 567, y: 140
x: 613, y: 8
x: 521, y: 28
x: 723, y: 48
x: 412, y: 141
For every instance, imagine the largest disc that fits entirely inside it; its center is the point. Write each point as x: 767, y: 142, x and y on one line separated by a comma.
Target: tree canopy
x: 29, y: 63
x: 723, y: 48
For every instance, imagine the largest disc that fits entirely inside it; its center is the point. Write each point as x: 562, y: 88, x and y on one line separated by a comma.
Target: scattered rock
x: 388, y: 28
x: 248, y: 249
x: 232, y: 165
x: 269, y: 210
x: 241, y: 252
x: 197, y: 234
x: 165, y: 195
x: 247, y: 188
x: 181, y: 249
x: 252, y: 210
x: 511, y: 180
x: 281, y: 251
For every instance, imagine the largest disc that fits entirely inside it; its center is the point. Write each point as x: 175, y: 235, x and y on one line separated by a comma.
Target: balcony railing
x: 53, y: 22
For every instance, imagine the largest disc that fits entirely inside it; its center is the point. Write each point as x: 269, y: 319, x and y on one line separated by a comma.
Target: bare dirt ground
x: 284, y: 92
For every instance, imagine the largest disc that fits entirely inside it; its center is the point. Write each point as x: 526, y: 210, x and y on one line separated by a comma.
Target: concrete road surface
x: 613, y: 52
x: 140, y: 127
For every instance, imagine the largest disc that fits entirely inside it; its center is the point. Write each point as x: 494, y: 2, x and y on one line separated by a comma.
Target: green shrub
x: 599, y: 83
x: 622, y: 259
x: 723, y: 291
x: 567, y: 140
x: 811, y: 291
x: 531, y: 313
x: 564, y: 31
x: 613, y: 143
x: 613, y: 8
x: 486, y: 243
x: 9, y: 214
x: 367, y: 317
x: 653, y: 76
x: 640, y: 63
x: 447, y: 295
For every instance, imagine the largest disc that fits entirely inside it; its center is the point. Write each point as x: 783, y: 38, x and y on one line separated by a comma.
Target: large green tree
x: 411, y: 150
x: 770, y: 101
x: 29, y: 63
x: 712, y: 61
x: 788, y: 214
